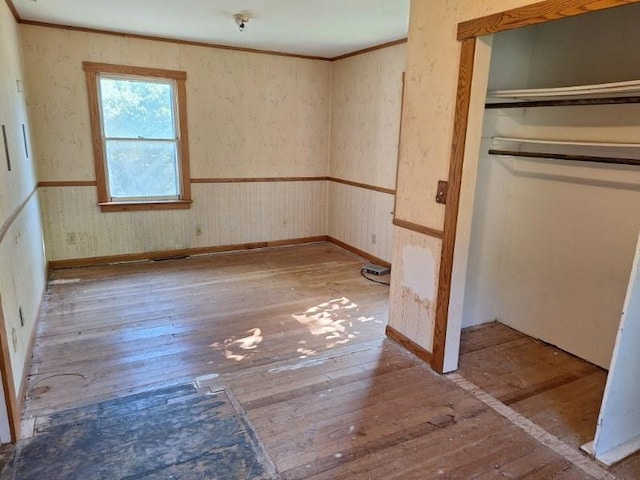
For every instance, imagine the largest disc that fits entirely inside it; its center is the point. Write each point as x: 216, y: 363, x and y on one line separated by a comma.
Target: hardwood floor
x: 296, y: 336
x: 556, y: 390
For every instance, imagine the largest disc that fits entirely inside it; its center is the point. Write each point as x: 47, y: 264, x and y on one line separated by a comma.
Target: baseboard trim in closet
x: 408, y: 344
x: 357, y: 251
x: 184, y: 252
x: 414, y: 227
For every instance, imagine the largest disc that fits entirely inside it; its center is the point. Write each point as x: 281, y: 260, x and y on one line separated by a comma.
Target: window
x: 138, y: 123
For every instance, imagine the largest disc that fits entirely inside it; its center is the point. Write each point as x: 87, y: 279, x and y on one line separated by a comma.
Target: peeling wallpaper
x: 414, y: 281
x: 433, y: 54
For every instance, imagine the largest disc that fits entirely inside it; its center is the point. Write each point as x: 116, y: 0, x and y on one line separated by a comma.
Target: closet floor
x: 556, y: 390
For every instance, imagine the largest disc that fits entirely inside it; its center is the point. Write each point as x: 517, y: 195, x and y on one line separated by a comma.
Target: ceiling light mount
x: 241, y: 20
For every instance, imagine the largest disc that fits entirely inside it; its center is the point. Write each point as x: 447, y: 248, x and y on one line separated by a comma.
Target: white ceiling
x: 324, y: 28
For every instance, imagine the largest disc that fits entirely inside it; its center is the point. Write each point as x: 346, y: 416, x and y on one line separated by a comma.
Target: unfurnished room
x: 284, y: 239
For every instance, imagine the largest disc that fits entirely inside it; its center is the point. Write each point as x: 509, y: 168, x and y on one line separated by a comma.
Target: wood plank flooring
x: 556, y: 390
x: 297, y: 336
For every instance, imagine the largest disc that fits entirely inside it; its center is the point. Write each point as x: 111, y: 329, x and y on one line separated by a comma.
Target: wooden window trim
x: 92, y: 70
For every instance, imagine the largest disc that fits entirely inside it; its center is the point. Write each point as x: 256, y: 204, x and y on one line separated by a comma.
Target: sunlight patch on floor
x: 238, y: 348
x: 333, y: 321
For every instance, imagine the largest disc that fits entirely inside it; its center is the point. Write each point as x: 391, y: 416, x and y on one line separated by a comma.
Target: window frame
x: 105, y: 202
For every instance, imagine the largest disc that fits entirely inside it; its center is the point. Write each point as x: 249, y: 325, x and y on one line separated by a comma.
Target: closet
x: 556, y: 214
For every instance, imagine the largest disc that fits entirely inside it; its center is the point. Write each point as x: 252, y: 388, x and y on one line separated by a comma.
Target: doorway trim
x: 468, y: 31
x: 8, y: 386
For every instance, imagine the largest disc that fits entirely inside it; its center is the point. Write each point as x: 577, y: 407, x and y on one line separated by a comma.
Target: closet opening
x: 548, y: 228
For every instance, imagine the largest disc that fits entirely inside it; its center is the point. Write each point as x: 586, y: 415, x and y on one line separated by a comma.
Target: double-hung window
x: 138, y: 122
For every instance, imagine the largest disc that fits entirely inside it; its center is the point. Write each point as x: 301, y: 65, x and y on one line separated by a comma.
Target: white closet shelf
x: 601, y: 90
x: 579, y: 143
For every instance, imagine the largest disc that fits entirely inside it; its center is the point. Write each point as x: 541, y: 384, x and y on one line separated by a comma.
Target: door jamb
x: 468, y: 31
x: 13, y: 409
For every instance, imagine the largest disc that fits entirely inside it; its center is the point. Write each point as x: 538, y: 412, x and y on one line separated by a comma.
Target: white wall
x: 552, y: 243
x: 366, y: 98
x: 22, y: 263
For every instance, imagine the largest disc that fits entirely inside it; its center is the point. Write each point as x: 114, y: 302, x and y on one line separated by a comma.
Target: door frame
x: 8, y: 385
x: 467, y: 34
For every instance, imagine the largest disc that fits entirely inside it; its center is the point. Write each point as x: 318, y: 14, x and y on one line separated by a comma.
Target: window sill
x: 153, y: 205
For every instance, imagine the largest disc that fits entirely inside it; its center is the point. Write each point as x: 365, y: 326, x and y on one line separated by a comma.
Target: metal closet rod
x: 562, y: 156
x: 565, y: 103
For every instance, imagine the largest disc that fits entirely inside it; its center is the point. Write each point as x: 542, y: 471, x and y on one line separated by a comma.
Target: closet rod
x: 566, y: 102
x: 562, y: 156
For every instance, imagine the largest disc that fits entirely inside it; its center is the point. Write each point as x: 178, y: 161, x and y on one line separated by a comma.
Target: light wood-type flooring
x: 296, y: 336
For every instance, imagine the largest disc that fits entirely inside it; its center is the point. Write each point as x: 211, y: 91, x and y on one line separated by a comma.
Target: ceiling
x: 322, y: 28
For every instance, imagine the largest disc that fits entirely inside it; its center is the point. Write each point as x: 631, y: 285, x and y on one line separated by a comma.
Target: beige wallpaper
x: 433, y: 54
x: 225, y: 214
x: 365, y: 121
x: 365, y: 113
x: 249, y: 115
x: 22, y: 264
x: 361, y: 218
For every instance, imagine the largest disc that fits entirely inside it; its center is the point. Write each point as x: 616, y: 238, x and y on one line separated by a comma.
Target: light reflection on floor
x: 233, y: 348
x: 335, y: 320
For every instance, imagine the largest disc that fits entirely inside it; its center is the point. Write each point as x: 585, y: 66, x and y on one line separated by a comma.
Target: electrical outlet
x: 14, y: 339
x: 71, y: 238
x: 21, y: 316
x: 198, y: 231
x: 373, y: 238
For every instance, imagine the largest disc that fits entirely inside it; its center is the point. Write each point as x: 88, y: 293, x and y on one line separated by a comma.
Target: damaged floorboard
x: 296, y: 335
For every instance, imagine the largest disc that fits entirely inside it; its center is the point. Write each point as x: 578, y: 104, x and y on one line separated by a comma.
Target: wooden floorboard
x: 556, y: 390
x: 297, y: 336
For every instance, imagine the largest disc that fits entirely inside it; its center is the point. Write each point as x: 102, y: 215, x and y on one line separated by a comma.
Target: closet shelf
x: 567, y: 157
x: 598, y: 94
x: 569, y: 143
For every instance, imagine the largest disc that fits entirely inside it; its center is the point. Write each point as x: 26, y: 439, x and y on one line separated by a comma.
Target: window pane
x: 142, y: 169
x: 136, y: 109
